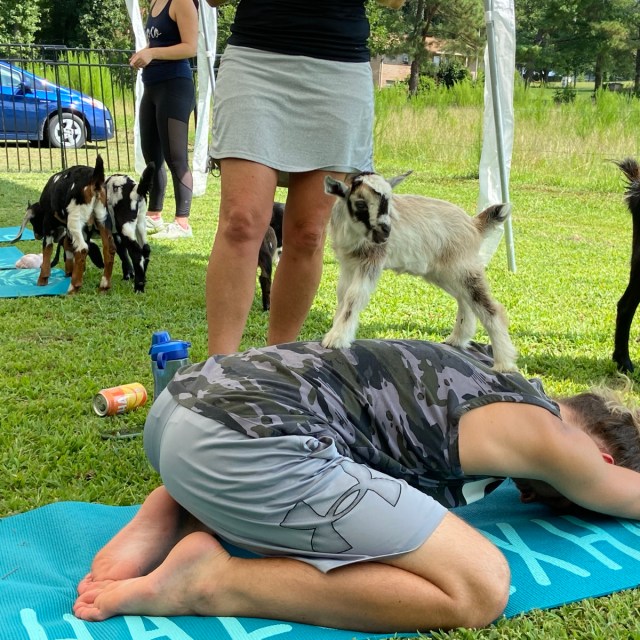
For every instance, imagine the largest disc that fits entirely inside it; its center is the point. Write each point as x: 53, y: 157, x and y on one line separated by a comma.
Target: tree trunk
x: 597, y: 74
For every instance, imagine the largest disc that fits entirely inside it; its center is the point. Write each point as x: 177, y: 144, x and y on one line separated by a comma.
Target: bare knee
x: 242, y: 225
x: 305, y: 239
x: 483, y: 598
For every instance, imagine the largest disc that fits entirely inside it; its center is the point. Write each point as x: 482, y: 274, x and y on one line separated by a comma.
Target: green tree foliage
x: 18, y: 21
x: 459, y: 23
x: 576, y: 36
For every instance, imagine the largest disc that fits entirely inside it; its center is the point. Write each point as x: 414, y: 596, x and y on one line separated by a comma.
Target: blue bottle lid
x: 164, y: 350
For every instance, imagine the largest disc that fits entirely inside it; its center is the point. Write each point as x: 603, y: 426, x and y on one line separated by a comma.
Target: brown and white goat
x: 373, y: 229
x: 628, y: 303
x: 71, y: 203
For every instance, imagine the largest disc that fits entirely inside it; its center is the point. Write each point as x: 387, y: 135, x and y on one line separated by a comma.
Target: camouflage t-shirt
x: 394, y: 405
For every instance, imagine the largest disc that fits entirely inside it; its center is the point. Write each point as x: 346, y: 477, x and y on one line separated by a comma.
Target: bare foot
x: 144, y: 542
x: 184, y: 584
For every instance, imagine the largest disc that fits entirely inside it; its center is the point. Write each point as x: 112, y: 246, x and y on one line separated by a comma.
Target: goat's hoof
x: 138, y: 288
x: 42, y: 282
x: 71, y: 291
x: 624, y: 365
x: 505, y: 367
x: 331, y: 341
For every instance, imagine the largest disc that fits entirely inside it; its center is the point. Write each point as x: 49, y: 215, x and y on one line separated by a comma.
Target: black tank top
x: 330, y: 29
x: 162, y: 31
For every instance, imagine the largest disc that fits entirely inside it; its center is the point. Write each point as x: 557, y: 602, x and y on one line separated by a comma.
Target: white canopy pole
x: 495, y: 161
x: 207, y: 19
x: 140, y: 43
x: 208, y: 35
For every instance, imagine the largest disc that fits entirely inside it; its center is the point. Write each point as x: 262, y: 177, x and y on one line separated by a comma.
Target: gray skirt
x: 293, y: 113
x: 289, y: 496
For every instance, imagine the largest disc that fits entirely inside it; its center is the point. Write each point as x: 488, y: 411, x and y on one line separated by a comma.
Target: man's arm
x: 524, y: 441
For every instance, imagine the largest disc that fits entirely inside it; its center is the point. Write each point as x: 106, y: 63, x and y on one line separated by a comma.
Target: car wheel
x: 68, y: 131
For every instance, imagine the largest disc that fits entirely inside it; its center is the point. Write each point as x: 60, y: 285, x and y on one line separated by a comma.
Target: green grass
x: 572, y: 242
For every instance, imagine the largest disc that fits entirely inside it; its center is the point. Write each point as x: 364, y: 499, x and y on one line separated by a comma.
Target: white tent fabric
x: 497, y: 144
x: 206, y: 54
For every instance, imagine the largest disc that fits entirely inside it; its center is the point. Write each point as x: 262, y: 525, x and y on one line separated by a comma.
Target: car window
x: 8, y: 78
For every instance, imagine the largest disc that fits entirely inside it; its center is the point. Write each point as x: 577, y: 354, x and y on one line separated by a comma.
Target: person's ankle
x: 154, y: 215
x: 183, y: 222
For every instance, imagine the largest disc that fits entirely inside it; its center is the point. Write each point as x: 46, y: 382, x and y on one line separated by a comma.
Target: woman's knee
x: 242, y: 225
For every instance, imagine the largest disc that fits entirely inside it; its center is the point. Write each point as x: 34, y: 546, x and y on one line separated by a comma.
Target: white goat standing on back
x: 373, y: 229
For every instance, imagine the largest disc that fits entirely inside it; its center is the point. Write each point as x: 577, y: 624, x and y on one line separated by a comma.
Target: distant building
x: 387, y: 70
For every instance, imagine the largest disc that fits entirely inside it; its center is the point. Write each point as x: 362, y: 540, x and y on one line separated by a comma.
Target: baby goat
x: 630, y: 299
x: 269, y: 253
x: 127, y: 208
x: 373, y: 229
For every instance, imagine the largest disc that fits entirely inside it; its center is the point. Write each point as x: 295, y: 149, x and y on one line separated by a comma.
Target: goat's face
x: 367, y: 198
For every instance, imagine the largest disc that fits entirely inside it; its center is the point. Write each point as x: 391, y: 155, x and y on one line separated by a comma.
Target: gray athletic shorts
x: 293, y: 113
x: 292, y: 496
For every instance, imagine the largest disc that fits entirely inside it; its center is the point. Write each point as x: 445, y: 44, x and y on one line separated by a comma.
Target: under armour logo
x: 325, y: 538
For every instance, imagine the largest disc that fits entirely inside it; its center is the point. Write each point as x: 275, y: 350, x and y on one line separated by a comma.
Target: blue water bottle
x: 167, y: 356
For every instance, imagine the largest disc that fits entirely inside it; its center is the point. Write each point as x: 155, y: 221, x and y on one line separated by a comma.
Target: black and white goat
x: 269, y: 253
x: 630, y: 299
x: 71, y: 203
x: 373, y: 229
x: 127, y: 207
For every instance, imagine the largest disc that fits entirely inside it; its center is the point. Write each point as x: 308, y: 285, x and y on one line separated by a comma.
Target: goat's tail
x: 631, y: 170
x: 146, y: 180
x: 491, y: 216
x: 98, y: 173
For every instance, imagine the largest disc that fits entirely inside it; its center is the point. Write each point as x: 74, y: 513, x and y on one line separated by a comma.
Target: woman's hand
x: 140, y: 59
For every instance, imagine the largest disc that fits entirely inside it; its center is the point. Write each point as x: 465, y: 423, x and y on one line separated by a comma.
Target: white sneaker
x: 154, y: 225
x: 174, y: 231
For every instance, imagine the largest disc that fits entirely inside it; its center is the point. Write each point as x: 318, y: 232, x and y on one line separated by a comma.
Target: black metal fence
x: 63, y: 106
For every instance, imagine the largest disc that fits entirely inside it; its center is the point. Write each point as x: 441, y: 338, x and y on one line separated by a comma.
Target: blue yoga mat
x: 9, y: 256
x: 9, y: 233
x: 16, y: 283
x: 45, y: 552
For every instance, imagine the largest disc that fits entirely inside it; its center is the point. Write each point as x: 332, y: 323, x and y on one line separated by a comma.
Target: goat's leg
x: 627, y: 306
x: 123, y: 251
x: 79, y: 264
x: 45, y: 268
x: 465, y: 326
x: 474, y: 291
x: 108, y: 253
x: 68, y: 256
x: 356, y: 283
x: 139, y: 259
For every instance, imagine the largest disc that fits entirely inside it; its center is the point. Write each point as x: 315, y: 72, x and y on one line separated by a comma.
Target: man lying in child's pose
x: 339, y: 467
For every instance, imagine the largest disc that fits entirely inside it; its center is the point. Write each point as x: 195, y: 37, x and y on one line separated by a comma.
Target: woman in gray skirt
x: 293, y: 103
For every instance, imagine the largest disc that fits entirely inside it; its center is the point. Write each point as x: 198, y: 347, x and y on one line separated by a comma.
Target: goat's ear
x: 335, y: 188
x: 394, y: 182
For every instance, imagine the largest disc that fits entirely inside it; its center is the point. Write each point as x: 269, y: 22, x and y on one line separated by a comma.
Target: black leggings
x: 165, y: 109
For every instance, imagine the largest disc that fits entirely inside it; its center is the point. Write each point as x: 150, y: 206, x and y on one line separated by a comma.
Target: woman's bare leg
x: 246, y: 203
x: 456, y: 578
x: 143, y: 543
x: 307, y: 213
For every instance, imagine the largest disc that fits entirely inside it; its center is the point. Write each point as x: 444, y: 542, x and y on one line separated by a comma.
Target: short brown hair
x: 611, y: 417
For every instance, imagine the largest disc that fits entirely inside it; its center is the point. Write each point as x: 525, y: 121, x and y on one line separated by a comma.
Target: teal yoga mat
x: 17, y: 283
x: 9, y: 233
x: 45, y: 552
x: 9, y: 256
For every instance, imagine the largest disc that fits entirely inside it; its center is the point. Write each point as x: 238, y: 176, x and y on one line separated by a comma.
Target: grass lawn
x: 572, y: 244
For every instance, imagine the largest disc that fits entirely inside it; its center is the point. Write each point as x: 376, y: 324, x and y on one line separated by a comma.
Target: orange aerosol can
x: 126, y: 397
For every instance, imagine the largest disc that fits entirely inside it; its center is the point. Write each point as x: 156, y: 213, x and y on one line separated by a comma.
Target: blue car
x: 35, y: 109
